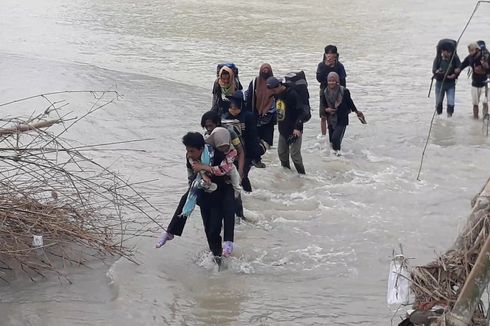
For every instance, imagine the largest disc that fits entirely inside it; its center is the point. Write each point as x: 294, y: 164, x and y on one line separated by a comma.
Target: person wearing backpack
x: 225, y: 85
x: 337, y: 103
x: 478, y: 78
x: 443, y: 68
x: 329, y: 63
x: 211, y: 120
x: 290, y: 117
x: 260, y: 101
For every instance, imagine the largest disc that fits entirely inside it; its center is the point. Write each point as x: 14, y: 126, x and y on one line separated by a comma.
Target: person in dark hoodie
x: 478, y: 78
x: 254, y: 147
x: 444, y: 73
x: 260, y: 101
x: 337, y: 104
x: 329, y: 63
x: 290, y: 116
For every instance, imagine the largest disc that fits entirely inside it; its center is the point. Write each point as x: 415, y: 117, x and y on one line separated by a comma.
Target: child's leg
x: 235, y: 179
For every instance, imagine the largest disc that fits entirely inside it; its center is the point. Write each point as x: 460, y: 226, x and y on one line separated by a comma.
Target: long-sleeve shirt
x: 323, y: 70
x: 226, y: 164
x: 345, y: 107
x: 477, y: 80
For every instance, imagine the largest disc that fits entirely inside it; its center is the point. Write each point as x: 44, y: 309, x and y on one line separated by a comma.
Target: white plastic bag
x: 398, y: 282
x: 37, y: 241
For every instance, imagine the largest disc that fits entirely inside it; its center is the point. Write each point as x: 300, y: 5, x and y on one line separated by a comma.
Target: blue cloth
x: 196, y: 185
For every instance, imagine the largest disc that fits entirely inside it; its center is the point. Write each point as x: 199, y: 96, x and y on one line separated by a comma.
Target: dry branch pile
x: 50, y: 188
x: 440, y: 282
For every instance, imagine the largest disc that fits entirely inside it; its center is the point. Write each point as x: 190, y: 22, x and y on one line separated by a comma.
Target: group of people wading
x: 239, y: 129
x: 447, y: 67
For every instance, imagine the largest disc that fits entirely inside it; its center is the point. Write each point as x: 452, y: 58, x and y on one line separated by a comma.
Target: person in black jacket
x: 254, y: 147
x: 337, y: 104
x: 329, y: 63
x: 444, y: 73
x: 478, y: 78
x: 290, y: 117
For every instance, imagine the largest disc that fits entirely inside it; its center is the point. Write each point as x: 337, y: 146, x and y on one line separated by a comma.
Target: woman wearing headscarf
x: 260, y: 101
x: 329, y: 63
x: 225, y: 85
x: 337, y: 103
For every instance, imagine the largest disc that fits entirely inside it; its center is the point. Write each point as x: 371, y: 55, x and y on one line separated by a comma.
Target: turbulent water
x: 319, y: 249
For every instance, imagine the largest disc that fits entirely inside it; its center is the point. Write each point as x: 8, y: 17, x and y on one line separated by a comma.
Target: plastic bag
x: 398, y: 282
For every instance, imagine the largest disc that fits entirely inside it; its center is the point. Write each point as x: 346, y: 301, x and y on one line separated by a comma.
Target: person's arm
x: 464, y: 64
x: 249, y: 97
x: 251, y: 136
x: 342, y: 74
x: 235, y: 141
x: 435, y: 66
x: 216, y: 97
x: 298, y: 125
x: 223, y: 168
x: 352, y: 106
x: 241, y: 159
x: 323, y: 101
x: 320, y: 73
x: 191, y: 175
x: 349, y: 101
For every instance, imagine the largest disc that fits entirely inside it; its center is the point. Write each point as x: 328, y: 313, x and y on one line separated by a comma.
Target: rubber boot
x: 300, y: 168
x: 450, y: 110
x: 475, y: 111
x: 439, y: 108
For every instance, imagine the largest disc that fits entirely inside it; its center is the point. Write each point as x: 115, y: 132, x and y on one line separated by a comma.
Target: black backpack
x: 447, y: 44
x: 297, y: 80
x: 485, y: 54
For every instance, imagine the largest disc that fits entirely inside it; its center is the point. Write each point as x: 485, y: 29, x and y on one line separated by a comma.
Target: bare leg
x: 475, y: 111
x: 323, y: 126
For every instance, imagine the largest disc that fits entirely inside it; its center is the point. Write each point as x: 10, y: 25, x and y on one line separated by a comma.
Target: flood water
x: 319, y: 249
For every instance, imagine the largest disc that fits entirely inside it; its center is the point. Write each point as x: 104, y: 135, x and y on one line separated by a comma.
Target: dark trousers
x: 266, y: 132
x: 216, y: 207
x: 177, y: 223
x: 336, y: 134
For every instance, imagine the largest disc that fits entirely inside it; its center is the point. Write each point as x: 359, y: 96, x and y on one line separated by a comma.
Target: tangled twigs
x: 50, y: 189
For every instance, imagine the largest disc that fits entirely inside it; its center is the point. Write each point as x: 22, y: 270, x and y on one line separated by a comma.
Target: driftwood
x: 50, y: 189
x: 26, y: 127
x: 443, y: 282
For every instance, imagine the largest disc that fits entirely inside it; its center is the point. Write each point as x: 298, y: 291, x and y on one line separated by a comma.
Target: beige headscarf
x: 263, y: 95
x: 229, y: 88
x: 219, y: 136
x: 334, y: 96
x: 473, y: 46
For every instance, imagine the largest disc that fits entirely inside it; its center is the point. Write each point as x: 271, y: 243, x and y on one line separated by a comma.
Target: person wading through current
x: 337, y: 103
x: 260, y: 101
x: 329, y: 63
x: 225, y: 85
x: 290, y: 117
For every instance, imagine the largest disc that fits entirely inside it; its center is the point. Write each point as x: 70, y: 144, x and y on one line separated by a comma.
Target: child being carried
x: 220, y: 139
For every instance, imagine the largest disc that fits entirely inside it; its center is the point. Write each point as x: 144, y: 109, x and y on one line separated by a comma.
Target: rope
x: 442, y: 89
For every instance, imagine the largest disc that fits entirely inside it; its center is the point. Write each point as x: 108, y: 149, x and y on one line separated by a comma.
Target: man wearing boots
x: 290, y: 118
x: 443, y: 69
x: 478, y: 78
